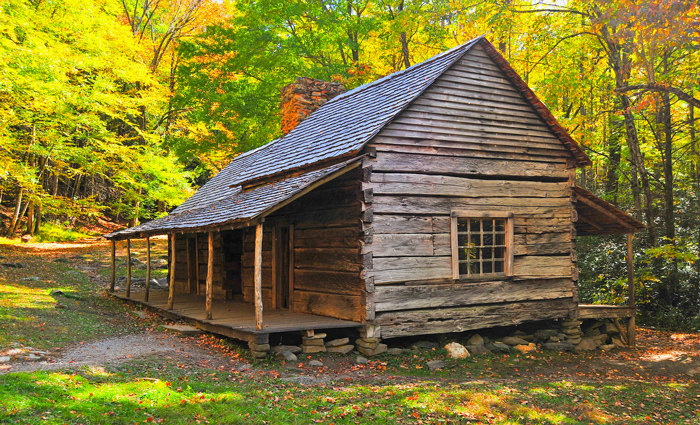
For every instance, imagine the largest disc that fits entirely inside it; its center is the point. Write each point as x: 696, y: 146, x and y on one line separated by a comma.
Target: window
x: 481, y: 244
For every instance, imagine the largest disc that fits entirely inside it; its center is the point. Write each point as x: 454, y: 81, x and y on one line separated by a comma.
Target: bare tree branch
x: 662, y: 88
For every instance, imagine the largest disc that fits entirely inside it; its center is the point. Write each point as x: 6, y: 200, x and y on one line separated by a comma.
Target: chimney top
x: 303, y: 97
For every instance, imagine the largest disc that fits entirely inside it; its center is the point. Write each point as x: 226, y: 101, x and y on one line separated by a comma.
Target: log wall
x: 221, y: 285
x: 471, y: 141
x: 327, y: 260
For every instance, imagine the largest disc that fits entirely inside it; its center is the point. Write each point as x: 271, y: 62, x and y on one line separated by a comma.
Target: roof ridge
x: 393, y: 75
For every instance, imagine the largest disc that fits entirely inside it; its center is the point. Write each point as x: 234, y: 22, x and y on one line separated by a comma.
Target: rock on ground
x: 457, y: 351
x: 436, y: 364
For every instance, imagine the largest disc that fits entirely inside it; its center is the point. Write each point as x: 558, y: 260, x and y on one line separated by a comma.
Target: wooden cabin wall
x: 469, y: 142
x: 327, y: 251
x: 221, y: 290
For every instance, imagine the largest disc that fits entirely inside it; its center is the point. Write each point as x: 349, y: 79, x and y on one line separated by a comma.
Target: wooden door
x: 283, y: 264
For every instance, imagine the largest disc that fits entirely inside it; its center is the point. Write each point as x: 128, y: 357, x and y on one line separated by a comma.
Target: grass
x: 537, y: 388
x: 32, y: 316
x: 172, y: 393
x: 52, y: 232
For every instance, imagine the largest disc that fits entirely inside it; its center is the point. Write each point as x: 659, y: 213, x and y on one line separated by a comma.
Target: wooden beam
x: 128, y: 268
x: 210, y: 274
x: 189, y: 265
x: 171, y: 286
x: 148, y: 268
x: 196, y: 255
x: 258, y: 277
x: 631, y: 325
x: 114, y: 266
x: 589, y: 222
x: 604, y: 211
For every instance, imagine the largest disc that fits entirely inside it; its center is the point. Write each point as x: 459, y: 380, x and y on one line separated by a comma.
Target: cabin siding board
x: 423, y: 170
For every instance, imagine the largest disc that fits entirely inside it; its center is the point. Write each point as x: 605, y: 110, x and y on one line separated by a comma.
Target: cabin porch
x: 232, y: 318
x: 594, y: 217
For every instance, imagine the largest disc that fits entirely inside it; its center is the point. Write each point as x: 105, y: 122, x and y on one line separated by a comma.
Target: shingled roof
x: 335, y: 132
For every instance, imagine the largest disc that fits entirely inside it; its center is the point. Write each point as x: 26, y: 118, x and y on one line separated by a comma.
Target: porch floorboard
x: 234, y: 319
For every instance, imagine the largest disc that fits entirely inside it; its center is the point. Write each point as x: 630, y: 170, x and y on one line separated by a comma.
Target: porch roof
x: 239, y: 208
x: 599, y: 217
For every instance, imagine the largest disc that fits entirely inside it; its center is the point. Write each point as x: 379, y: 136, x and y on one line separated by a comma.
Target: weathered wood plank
x: 329, y: 281
x: 543, y: 266
x: 339, y: 259
x: 472, y: 149
x: 348, y: 307
x: 409, y: 163
x: 425, y: 184
x: 404, y: 269
x: 459, y: 319
x: 394, y: 298
x: 401, y: 245
x: 550, y: 207
x: 328, y: 238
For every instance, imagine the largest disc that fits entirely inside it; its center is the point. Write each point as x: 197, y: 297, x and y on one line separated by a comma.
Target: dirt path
x: 120, y: 349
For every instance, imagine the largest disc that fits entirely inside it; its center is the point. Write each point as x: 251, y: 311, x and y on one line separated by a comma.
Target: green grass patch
x: 52, y: 232
x: 157, y: 391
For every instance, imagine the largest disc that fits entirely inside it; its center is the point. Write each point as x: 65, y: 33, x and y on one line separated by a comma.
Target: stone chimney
x: 303, y: 97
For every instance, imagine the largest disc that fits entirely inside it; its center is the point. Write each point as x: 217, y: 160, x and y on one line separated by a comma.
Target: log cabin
x: 437, y: 199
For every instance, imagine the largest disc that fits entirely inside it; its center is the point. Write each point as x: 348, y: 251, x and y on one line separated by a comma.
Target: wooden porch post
x: 128, y: 268
x: 631, y: 326
x: 148, y: 267
x: 210, y: 274
x: 196, y: 261
x: 171, y: 288
x: 258, y: 277
x: 114, y: 266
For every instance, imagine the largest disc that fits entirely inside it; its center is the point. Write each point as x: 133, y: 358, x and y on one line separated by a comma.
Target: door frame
x: 276, y: 289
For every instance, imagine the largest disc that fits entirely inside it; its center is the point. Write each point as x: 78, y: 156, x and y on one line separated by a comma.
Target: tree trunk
x: 37, y: 219
x: 15, y: 217
x: 30, y: 218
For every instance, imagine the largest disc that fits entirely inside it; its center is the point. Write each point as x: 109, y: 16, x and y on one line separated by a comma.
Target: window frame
x: 455, y: 215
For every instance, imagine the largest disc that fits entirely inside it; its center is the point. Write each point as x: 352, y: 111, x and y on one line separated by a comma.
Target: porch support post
x: 210, y: 274
x: 114, y: 266
x: 196, y: 262
x: 171, y: 287
x: 258, y: 277
x: 148, y: 267
x: 631, y: 326
x: 128, y: 268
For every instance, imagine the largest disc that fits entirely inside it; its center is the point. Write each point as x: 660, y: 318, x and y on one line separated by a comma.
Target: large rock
x: 420, y: 345
x: 475, y: 340
x: 478, y: 350
x: 340, y: 349
x: 514, y: 340
x: 498, y: 347
x: 586, y: 344
x: 312, y: 349
x: 559, y: 346
x: 545, y: 334
x: 287, y: 356
x: 361, y: 360
x: 611, y: 329
x: 457, y: 351
x: 337, y: 342
x: 27, y: 238
x: 379, y: 349
x: 282, y: 348
x: 526, y: 348
x: 436, y: 364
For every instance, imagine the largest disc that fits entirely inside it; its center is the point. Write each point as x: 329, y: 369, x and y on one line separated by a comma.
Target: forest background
x: 122, y: 108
